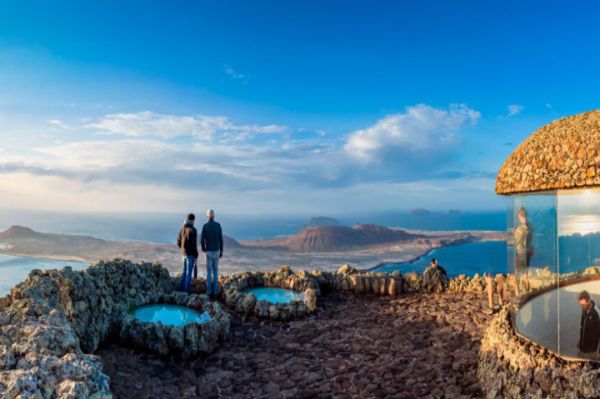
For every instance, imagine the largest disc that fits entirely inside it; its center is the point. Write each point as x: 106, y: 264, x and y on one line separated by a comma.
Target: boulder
x: 310, y: 300
x: 435, y: 279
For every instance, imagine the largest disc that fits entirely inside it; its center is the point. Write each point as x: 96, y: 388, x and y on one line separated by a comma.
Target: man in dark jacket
x: 589, y: 333
x: 211, y: 241
x: 187, y: 241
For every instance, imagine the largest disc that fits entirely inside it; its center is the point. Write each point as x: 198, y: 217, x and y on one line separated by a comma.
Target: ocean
x: 14, y: 269
x: 471, y: 258
x: 163, y: 228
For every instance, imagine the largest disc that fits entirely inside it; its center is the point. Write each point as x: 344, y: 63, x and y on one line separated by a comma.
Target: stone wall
x: 563, y: 154
x: 303, y: 282
x: 512, y: 367
x: 186, y: 341
x: 361, y: 282
x: 52, y: 321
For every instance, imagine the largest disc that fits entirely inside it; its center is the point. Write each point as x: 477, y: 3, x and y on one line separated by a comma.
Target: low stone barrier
x: 512, y: 367
x: 233, y: 288
x: 52, y: 322
x: 186, y: 341
x: 362, y: 282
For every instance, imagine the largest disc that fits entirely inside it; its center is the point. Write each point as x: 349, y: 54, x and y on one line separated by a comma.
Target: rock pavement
x: 412, y: 346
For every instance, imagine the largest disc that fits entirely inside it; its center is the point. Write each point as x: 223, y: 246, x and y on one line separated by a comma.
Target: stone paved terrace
x: 413, y: 346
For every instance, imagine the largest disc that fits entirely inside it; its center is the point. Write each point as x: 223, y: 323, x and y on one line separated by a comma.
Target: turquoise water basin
x: 274, y: 295
x: 170, y: 315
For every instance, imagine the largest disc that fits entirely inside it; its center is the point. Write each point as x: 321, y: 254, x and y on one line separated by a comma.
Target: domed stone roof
x: 564, y: 154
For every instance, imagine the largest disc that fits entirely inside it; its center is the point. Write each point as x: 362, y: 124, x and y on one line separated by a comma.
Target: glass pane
x: 535, y: 267
x: 579, y: 257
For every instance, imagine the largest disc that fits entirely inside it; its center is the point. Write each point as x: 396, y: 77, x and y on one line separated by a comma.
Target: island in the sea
x: 322, y: 247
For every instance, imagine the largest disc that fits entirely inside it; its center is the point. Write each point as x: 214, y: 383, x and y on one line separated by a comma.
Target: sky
x: 281, y: 106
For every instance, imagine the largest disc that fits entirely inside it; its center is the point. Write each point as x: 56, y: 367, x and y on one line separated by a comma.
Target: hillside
x: 335, y: 238
x: 322, y: 248
x: 25, y: 241
x: 322, y: 221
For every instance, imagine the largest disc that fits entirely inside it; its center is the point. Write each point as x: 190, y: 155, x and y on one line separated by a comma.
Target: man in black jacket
x: 589, y: 333
x: 211, y: 242
x: 187, y: 241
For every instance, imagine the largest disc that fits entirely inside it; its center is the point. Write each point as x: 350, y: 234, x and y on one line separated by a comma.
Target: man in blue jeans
x: 211, y: 242
x: 188, y: 242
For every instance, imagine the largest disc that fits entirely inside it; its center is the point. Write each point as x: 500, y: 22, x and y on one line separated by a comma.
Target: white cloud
x: 233, y: 74
x: 420, y: 129
x: 98, y: 154
x: 138, y: 153
x: 202, y: 127
x: 59, y: 123
x: 514, y: 109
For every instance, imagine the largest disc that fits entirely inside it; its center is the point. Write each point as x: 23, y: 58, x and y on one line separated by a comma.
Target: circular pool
x: 169, y: 315
x: 552, y: 318
x: 274, y: 295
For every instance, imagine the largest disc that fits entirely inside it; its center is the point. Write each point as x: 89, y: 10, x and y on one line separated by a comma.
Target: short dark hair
x: 584, y: 295
x: 191, y: 217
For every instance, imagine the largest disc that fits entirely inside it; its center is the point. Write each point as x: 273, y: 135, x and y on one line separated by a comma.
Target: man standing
x: 211, y: 241
x: 188, y: 242
x: 589, y: 333
x: 523, y: 249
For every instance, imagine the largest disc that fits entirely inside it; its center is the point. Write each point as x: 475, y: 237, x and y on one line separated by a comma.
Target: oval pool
x: 275, y: 295
x: 170, y: 315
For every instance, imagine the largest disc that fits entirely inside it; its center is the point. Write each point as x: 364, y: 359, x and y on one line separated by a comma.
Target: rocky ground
x: 408, y: 347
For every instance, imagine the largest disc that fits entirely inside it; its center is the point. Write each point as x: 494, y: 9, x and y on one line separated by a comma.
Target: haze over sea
x: 163, y: 227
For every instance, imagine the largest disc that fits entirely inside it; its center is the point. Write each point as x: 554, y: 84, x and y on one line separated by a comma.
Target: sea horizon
x: 162, y: 227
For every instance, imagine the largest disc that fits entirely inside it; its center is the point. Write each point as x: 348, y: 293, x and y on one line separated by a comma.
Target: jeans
x: 186, y: 275
x: 212, y: 272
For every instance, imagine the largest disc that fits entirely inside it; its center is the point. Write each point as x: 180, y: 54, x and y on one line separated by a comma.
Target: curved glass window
x: 554, y: 254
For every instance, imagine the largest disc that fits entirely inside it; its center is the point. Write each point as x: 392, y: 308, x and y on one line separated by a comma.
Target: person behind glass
x: 188, y: 242
x: 589, y: 332
x: 211, y: 241
x: 523, y: 249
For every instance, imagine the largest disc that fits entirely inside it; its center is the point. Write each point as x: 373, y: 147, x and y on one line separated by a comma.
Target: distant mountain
x: 322, y: 221
x: 420, y: 211
x: 24, y: 240
x: 333, y: 238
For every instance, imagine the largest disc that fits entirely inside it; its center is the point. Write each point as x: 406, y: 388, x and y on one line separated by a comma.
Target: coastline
x: 46, y: 257
x: 428, y: 253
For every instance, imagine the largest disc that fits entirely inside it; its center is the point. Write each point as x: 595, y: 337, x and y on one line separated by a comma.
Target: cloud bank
x: 244, y: 165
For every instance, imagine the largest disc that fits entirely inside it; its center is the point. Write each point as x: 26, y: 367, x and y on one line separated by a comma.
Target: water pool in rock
x: 274, y: 295
x: 171, y: 315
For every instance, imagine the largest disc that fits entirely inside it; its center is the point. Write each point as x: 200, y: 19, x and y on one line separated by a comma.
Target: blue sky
x: 281, y: 107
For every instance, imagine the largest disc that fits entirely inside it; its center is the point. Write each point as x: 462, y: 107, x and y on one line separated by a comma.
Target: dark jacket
x: 589, y: 334
x: 211, y: 239
x: 188, y: 240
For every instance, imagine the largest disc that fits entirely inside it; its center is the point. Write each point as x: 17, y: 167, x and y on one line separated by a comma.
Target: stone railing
x: 512, y: 367
x: 186, y: 341
x: 52, y: 322
x: 234, y: 286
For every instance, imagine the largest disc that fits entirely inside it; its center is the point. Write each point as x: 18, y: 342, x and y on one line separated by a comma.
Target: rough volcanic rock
x: 52, y: 321
x: 560, y: 155
x: 309, y: 284
x: 435, y: 279
x: 511, y: 367
x: 352, y: 347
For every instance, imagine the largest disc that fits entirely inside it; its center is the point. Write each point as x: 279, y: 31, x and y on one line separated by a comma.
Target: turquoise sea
x: 471, y: 258
x: 14, y: 269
